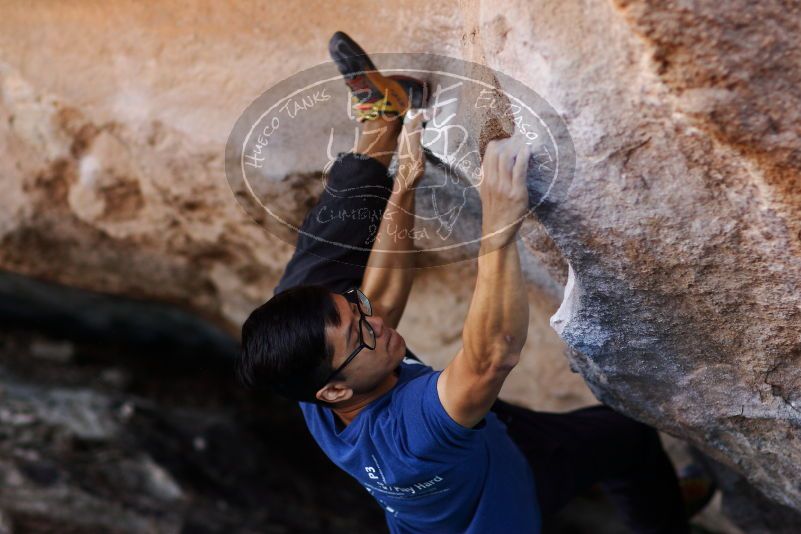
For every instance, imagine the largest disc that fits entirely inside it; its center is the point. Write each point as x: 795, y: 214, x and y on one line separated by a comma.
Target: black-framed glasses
x: 366, y: 332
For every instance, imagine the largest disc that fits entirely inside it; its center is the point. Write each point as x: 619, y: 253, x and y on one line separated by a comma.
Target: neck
x: 348, y: 410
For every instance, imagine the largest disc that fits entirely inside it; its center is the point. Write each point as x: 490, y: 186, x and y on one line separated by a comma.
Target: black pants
x: 568, y: 452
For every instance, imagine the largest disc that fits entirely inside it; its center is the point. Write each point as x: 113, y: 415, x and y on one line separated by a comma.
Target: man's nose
x: 378, y: 325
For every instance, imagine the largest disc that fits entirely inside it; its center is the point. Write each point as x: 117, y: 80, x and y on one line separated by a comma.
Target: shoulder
x: 427, y: 427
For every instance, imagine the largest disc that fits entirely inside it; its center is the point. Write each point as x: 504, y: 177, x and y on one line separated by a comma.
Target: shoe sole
x: 349, y: 57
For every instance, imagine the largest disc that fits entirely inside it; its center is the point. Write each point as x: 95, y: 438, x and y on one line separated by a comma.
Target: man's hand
x: 504, y: 195
x: 411, y: 160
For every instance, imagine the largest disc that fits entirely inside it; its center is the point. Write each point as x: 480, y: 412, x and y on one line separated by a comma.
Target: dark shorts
x: 337, y: 233
x: 568, y: 452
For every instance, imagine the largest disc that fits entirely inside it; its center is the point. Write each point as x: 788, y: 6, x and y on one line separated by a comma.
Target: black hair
x: 284, y: 345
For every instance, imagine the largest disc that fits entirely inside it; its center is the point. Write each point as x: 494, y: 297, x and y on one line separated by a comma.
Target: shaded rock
x: 78, y: 456
x: 749, y: 509
x: 60, y: 352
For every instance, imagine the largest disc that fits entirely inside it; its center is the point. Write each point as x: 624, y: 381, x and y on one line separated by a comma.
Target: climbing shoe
x: 374, y: 95
x: 697, y: 489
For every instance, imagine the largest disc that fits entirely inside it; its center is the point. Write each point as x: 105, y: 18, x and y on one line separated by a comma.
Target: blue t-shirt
x: 429, y: 473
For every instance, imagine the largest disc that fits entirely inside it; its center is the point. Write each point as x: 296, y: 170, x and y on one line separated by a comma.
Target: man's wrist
x: 403, y: 191
x: 493, y: 240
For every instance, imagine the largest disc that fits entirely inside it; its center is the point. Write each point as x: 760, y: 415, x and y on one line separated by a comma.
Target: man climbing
x: 437, y: 450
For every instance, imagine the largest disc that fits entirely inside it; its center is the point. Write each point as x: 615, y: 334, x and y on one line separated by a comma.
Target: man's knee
x: 630, y: 433
x: 645, y: 441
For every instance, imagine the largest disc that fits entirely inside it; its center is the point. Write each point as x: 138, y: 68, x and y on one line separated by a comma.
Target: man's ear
x: 334, y: 392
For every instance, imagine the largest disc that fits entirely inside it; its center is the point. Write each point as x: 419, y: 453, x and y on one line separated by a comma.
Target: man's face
x: 369, y: 368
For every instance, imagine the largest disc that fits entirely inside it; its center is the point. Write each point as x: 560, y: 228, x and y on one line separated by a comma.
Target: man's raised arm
x: 390, y: 270
x: 496, y: 326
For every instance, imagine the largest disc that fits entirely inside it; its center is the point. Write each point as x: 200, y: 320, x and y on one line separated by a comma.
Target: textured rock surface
x: 681, y: 225
x: 115, y: 441
x: 682, y: 229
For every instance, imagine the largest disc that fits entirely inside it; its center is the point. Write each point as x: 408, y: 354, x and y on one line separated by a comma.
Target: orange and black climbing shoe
x: 372, y: 94
x: 697, y: 488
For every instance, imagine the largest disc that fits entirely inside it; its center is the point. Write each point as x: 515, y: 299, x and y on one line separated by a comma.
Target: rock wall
x: 682, y: 232
x: 681, y: 225
x: 115, y: 126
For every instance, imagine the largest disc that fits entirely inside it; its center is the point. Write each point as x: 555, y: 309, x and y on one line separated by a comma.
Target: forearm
x: 497, y: 321
x: 390, y: 270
